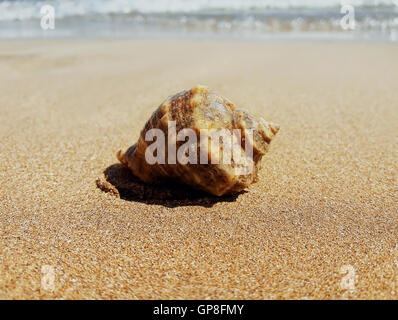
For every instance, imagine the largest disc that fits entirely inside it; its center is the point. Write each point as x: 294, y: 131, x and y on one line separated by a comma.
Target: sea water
x: 248, y: 19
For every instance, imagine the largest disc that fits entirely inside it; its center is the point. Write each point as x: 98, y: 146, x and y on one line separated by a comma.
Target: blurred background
x: 252, y: 19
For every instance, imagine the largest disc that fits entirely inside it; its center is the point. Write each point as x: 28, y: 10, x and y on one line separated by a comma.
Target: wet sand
x: 322, y: 221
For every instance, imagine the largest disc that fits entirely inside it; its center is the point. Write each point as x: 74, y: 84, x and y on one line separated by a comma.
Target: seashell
x: 207, y: 143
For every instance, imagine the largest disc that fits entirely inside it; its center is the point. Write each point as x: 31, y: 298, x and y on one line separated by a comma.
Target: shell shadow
x: 120, y: 182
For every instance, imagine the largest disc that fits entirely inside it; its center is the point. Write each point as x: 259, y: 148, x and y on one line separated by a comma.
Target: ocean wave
x: 237, y: 18
x: 25, y: 9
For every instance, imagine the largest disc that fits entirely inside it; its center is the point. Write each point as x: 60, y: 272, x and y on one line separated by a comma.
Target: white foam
x: 23, y: 9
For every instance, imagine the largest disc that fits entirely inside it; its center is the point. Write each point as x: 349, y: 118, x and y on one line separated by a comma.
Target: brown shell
x: 201, y: 108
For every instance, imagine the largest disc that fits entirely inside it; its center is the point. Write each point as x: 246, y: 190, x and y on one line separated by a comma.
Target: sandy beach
x: 321, y: 222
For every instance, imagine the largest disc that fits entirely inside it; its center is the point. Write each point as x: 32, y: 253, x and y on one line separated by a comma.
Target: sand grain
x: 326, y: 198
